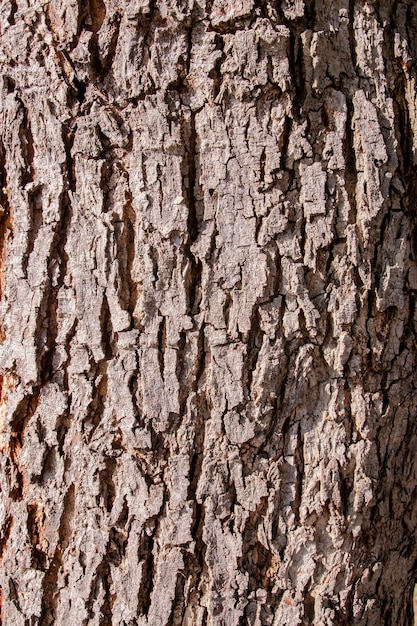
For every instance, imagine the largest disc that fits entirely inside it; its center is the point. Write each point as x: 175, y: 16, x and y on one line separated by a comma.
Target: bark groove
x: 208, y: 323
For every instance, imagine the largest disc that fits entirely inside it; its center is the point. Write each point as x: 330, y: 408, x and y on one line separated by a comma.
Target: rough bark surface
x: 208, y: 340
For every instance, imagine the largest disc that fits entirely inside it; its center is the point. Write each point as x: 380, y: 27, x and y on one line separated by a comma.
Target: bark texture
x: 208, y: 340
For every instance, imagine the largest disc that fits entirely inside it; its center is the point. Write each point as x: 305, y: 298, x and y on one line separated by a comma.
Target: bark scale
x: 208, y: 328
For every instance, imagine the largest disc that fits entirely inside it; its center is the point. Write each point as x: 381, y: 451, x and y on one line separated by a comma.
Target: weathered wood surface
x: 208, y: 357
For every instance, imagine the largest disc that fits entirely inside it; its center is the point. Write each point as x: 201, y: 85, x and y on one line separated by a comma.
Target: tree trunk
x: 208, y: 279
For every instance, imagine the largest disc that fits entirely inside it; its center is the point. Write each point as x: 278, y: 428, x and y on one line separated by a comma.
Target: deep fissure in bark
x: 208, y: 335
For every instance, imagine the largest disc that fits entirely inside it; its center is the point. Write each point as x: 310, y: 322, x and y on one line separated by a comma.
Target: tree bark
x: 208, y: 338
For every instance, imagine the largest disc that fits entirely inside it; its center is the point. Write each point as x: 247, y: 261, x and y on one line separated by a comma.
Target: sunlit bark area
x: 208, y: 324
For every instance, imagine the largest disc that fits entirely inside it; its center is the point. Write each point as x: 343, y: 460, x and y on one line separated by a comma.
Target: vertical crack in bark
x: 146, y: 551
x: 296, y: 67
x: 216, y: 72
x: 34, y: 204
x: 352, y: 37
x: 299, y: 475
x: 107, y: 487
x: 200, y: 416
x: 190, y: 181
x: 107, y: 334
x: 162, y: 345
x: 34, y: 526
x: 27, y: 149
x: 34, y: 190
x: 50, y: 586
x: 179, y: 602
x: 351, y: 174
x: 126, y: 255
x: 181, y: 373
x: 102, y: 580
x: 198, y: 568
x: 134, y: 393
x: 195, y: 287
x: 97, y: 10
x: 5, y: 223
x: 407, y: 169
x: 48, y: 324
x: 274, y: 357
x: 310, y: 13
x: 5, y: 534
x: 13, y: 10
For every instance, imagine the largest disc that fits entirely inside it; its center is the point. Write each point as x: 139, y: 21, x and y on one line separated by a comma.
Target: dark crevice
x: 5, y: 220
x: 179, y: 603
x: 34, y: 204
x: 76, y: 88
x: 352, y: 37
x: 80, y: 89
x: 93, y: 21
x: 39, y: 558
x: 134, y: 392
x: 47, y: 323
x: 97, y: 10
x: 309, y: 612
x: 201, y: 413
x: 181, y: 372
x: 193, y: 219
x: 190, y: 31
x: 116, y: 549
x: 197, y: 534
x: 5, y: 534
x: 13, y: 11
x: 194, y: 289
x: 201, y: 357
x: 102, y: 580
x: 302, y: 221
x: 296, y: 65
x: 68, y: 140
x: 299, y: 465
x: 107, y: 335
x: 215, y: 73
x: 310, y: 13
x: 107, y: 487
x: 147, y: 574
x: 285, y: 141
x: 351, y: 175
x: 27, y: 148
x: 227, y: 305
x: 9, y: 84
x: 231, y: 27
x: 262, y: 166
x: 162, y: 345
x: 404, y: 133
x: 261, y: 8
x: 411, y: 25
x: 125, y: 242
